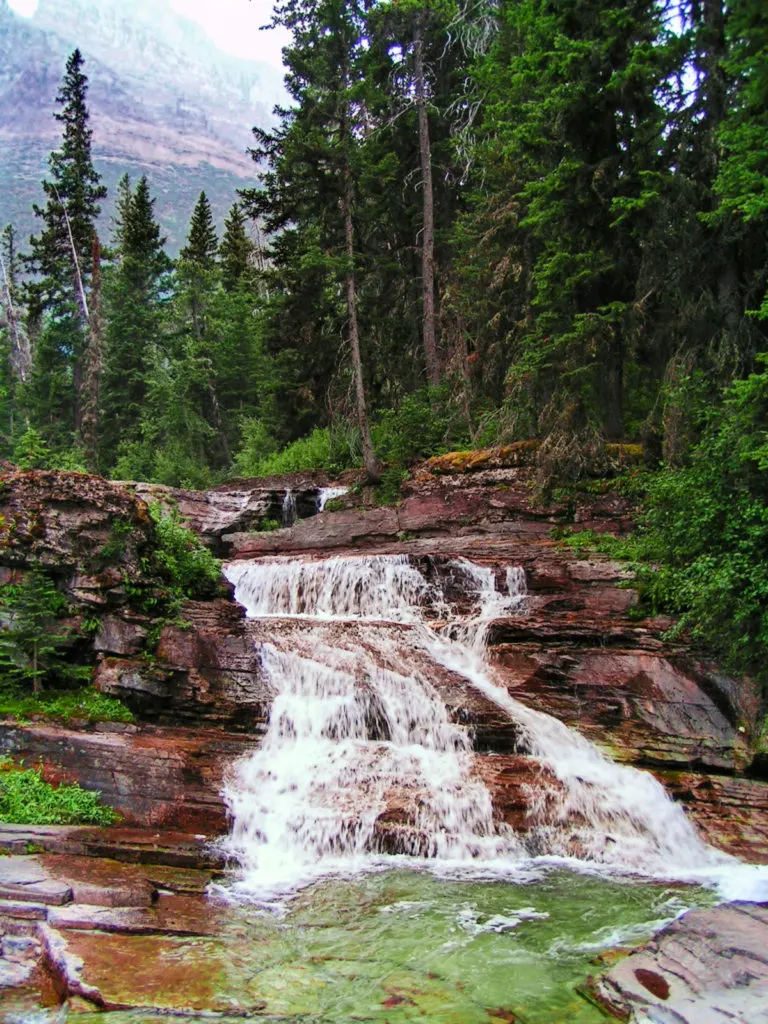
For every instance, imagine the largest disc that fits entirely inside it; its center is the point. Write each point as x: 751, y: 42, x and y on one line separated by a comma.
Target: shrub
x: 180, y: 559
x: 26, y: 799
x: 63, y: 706
x: 701, y: 548
x: 322, y: 449
x: 425, y: 424
x: 31, y: 451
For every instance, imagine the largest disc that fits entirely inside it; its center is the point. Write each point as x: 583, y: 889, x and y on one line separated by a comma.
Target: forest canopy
x: 530, y: 220
x: 475, y: 222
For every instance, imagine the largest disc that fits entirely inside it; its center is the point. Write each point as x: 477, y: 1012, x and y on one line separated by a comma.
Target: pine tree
x: 30, y: 645
x: 61, y: 257
x: 202, y: 243
x: 134, y: 302
x: 19, y: 353
x: 310, y: 192
x: 235, y: 249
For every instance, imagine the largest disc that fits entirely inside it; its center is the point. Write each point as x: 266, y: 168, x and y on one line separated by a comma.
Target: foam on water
x: 359, y: 760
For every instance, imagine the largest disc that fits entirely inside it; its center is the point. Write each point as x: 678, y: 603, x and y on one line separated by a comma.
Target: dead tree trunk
x: 428, y: 205
x: 371, y: 463
x: 94, y: 364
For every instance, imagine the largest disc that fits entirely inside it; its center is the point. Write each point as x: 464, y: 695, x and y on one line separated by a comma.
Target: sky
x: 232, y: 25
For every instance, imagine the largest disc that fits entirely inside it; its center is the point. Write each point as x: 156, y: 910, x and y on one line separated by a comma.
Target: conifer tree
x: 19, y: 354
x: 235, y: 249
x: 134, y: 303
x: 61, y: 257
x: 313, y: 160
x: 202, y: 243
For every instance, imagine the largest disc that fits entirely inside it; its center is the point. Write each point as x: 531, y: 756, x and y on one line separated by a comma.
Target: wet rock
x: 153, y: 776
x: 708, y: 966
x: 237, y: 506
x: 101, y: 882
x: 14, y: 975
x: 25, y: 880
x: 15, y: 911
x: 165, y: 973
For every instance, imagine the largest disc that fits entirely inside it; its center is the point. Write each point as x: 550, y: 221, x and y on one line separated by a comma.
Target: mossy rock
x: 510, y: 456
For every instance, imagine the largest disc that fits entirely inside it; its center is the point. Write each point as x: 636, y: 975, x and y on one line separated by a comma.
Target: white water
x: 349, y: 739
x: 326, y: 494
x: 288, y: 510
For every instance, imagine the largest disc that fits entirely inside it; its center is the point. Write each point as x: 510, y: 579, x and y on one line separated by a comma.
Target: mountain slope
x: 164, y: 101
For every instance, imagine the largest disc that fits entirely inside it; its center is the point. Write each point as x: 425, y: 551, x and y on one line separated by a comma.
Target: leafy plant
x: 180, y: 559
x: 322, y: 449
x: 86, y: 704
x: 701, y: 549
x: 27, y: 799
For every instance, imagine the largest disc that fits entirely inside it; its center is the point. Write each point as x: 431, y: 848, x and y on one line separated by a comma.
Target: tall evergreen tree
x: 235, y: 249
x: 313, y: 161
x: 17, y: 345
x: 202, y: 242
x: 134, y: 302
x: 61, y: 258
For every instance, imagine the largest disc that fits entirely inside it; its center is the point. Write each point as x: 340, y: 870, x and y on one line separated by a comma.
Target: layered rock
x: 578, y: 653
x: 708, y: 966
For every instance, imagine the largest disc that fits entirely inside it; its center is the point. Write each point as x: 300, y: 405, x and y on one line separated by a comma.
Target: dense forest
x: 474, y: 223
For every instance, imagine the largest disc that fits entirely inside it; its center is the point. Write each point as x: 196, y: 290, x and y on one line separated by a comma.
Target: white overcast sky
x: 233, y: 25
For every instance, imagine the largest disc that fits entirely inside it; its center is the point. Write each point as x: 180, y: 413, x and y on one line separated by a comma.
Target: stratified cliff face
x: 164, y: 101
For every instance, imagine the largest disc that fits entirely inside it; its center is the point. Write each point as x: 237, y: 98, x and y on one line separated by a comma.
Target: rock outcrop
x: 706, y: 967
x: 201, y: 699
x: 579, y: 651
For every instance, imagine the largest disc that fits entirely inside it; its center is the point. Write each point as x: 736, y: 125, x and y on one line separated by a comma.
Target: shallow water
x: 403, y: 945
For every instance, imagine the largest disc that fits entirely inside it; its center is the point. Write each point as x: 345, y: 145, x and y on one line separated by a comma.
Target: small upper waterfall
x: 326, y: 494
x: 288, y: 513
x: 361, y: 757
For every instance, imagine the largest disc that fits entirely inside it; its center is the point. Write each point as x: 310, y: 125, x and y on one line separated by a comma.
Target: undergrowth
x: 62, y: 706
x: 181, y: 560
x: 27, y: 799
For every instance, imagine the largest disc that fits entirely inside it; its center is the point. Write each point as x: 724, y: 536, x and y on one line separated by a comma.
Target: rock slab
x: 708, y: 967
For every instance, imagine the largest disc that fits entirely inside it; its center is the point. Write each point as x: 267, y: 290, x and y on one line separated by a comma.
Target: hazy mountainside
x: 163, y: 101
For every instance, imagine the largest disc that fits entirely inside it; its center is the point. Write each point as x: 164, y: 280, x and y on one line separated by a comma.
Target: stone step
x: 48, y: 892
x: 18, y: 910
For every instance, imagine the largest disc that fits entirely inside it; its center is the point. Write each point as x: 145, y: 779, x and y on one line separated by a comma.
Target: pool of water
x: 390, y: 947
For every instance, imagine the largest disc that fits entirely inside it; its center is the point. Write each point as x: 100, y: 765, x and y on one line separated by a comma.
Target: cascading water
x: 326, y: 494
x: 361, y: 757
x: 288, y: 513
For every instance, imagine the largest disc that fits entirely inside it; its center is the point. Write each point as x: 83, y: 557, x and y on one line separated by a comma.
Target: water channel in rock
x: 358, y: 726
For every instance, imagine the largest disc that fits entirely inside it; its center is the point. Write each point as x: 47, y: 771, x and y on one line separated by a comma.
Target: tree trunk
x: 428, y: 204
x: 371, y: 463
x: 94, y: 360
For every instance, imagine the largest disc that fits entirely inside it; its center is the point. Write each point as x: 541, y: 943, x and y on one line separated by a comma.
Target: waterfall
x: 361, y: 758
x: 288, y: 511
x: 326, y: 494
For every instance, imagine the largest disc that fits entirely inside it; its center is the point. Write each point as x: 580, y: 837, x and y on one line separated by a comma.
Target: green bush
x: 426, y: 423
x: 181, y: 560
x: 701, y: 548
x: 31, y: 451
x: 322, y: 449
x: 26, y: 799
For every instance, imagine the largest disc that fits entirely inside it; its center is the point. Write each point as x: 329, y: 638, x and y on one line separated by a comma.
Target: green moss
x: 27, y: 799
